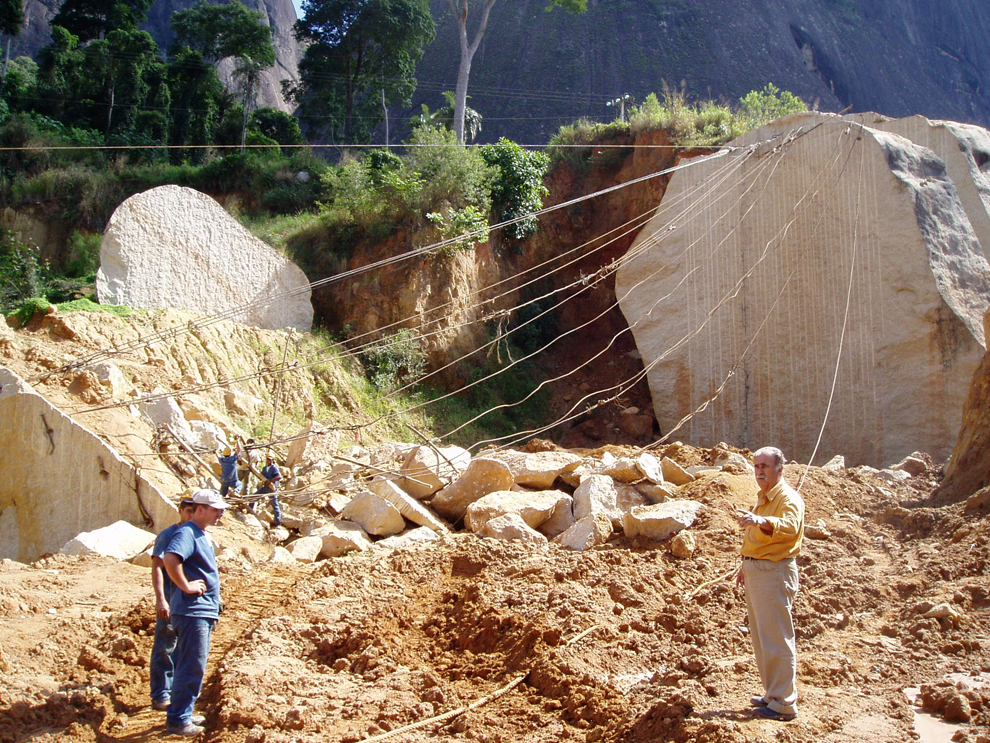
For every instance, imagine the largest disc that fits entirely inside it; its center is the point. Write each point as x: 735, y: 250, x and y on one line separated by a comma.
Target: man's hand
x: 748, y: 518
x: 161, y: 609
x: 197, y: 587
x: 740, y: 578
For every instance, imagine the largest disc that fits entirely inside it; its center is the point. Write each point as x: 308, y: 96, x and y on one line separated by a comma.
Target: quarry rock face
x: 66, y: 480
x: 736, y: 293
x: 968, y: 469
x: 176, y: 247
x: 965, y: 150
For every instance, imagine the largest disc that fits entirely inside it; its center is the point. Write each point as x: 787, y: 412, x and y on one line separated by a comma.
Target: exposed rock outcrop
x: 176, y: 247
x: 969, y: 468
x: 61, y: 479
x: 736, y: 292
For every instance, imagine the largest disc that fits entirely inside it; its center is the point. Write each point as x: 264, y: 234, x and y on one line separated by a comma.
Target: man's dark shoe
x: 758, y: 701
x: 772, y: 714
x: 189, y: 730
x: 160, y: 705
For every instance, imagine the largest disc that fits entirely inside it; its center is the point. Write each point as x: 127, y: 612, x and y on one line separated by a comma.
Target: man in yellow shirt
x: 772, y: 536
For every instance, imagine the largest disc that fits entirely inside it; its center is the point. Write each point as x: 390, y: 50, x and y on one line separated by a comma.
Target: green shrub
x: 394, y: 361
x: 23, y: 274
x: 518, y: 189
x: 450, y: 174
x: 84, y: 254
x: 469, y: 225
x: 761, y: 107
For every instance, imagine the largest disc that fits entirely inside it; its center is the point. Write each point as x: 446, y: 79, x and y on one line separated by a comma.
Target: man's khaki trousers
x: 770, y: 591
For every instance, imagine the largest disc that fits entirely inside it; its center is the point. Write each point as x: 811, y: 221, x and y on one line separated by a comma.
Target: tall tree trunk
x: 106, y: 137
x: 6, y: 61
x: 460, y: 8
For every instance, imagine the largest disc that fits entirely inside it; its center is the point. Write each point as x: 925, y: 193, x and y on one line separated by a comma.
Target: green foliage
x: 23, y: 314
x: 518, y: 189
x: 84, y: 254
x: 451, y: 175
x: 574, y: 143
x: 11, y: 17
x: 394, y: 361
x: 221, y: 31
x: 703, y: 123
x: 94, y: 19
x: 762, y: 107
x: 23, y: 273
x: 88, y: 305
x: 468, y: 226
x: 358, y: 51
x: 276, y: 125
x: 445, y: 117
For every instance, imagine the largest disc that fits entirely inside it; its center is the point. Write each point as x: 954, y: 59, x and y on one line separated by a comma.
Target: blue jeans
x: 276, y: 508
x: 225, y: 487
x: 161, y: 660
x: 190, y: 665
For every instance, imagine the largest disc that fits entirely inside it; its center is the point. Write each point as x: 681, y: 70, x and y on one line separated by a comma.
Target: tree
x: 119, y: 67
x: 468, y: 48
x: 231, y: 30
x: 11, y: 22
x: 248, y: 74
x: 198, y: 100
x: 59, y: 68
x: 356, y: 49
x: 221, y: 31
x: 94, y: 19
x: 276, y: 125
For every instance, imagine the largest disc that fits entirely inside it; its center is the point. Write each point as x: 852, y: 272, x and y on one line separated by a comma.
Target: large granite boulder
x: 176, y: 247
x: 736, y: 292
x: 965, y: 150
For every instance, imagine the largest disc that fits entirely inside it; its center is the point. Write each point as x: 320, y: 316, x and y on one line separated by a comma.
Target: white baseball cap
x: 209, y: 498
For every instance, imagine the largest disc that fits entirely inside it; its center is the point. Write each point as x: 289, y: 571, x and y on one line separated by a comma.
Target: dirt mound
x: 623, y: 644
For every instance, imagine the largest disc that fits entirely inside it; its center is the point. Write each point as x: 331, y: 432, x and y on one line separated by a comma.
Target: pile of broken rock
x: 406, y: 495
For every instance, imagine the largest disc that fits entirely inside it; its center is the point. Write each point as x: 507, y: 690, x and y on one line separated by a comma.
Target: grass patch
x: 88, y: 305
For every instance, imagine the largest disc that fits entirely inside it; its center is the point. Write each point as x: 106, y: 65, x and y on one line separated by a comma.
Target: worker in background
x: 228, y: 470
x: 195, y: 607
x: 269, y: 485
x: 160, y: 669
x: 772, y: 537
x: 248, y: 461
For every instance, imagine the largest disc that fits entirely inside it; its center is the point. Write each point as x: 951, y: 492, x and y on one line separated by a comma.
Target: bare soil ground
x: 624, y: 643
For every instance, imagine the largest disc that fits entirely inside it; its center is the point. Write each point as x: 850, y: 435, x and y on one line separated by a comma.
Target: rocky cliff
x: 279, y: 14
x: 537, y: 70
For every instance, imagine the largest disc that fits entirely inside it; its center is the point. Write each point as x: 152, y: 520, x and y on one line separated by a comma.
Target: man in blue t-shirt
x: 270, y: 478
x: 195, y: 607
x: 164, y: 645
x: 228, y: 469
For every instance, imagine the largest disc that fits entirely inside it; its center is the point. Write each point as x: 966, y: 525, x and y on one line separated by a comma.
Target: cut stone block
x: 538, y: 469
x: 482, y: 476
x: 176, y: 247
x: 409, y: 507
x: 511, y: 526
x: 661, y: 520
x: 533, y: 507
x: 120, y: 540
x: 374, y: 514
x: 427, y: 470
x: 590, y: 531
